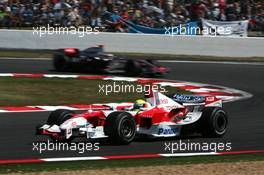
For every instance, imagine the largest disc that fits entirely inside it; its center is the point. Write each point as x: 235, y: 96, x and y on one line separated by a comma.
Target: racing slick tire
x: 61, y: 63
x: 120, y: 127
x: 214, y: 122
x: 57, y: 117
x: 133, y: 68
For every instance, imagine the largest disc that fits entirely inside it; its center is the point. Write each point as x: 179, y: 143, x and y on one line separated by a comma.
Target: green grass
x: 57, y: 91
x: 99, y: 164
x: 37, y: 54
x: 25, y: 54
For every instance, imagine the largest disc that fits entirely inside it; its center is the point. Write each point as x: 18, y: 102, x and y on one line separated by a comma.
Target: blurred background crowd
x: 105, y: 13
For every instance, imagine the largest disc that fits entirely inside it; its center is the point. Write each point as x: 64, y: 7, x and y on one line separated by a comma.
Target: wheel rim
x: 127, y: 129
x: 220, y: 122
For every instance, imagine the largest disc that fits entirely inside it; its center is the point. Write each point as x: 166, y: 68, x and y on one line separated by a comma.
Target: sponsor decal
x: 168, y: 131
x: 210, y: 99
x: 74, y: 124
x: 188, y: 97
x: 68, y: 133
x: 164, y: 101
x: 169, y: 108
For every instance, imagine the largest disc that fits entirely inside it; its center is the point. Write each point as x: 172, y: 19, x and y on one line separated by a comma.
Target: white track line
x: 72, y: 159
x: 189, y: 154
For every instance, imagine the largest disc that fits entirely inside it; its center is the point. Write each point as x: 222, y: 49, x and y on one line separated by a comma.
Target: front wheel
x: 214, y: 122
x: 120, y: 127
x: 58, y: 117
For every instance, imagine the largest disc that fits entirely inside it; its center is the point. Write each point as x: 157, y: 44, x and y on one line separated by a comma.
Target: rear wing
x: 208, y: 101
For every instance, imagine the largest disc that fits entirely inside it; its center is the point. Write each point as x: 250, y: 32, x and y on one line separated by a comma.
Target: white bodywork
x: 162, y: 129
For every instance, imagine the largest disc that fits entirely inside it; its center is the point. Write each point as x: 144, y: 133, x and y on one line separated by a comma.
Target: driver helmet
x: 139, y: 104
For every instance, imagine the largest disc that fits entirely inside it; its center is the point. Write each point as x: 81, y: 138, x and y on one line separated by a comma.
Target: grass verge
x: 37, y: 54
x: 18, y: 53
x: 100, y: 164
x: 56, y: 91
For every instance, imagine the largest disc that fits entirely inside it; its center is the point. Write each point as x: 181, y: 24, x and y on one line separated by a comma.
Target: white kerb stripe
x: 189, y: 154
x: 121, y: 79
x: 6, y: 75
x: 60, y: 76
x: 72, y: 159
x: 52, y: 108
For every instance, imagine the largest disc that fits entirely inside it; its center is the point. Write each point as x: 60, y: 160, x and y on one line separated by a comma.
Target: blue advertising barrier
x: 189, y: 28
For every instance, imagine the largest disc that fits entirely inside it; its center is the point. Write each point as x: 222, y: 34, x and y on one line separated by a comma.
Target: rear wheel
x: 60, y: 63
x: 120, y: 127
x: 214, y: 122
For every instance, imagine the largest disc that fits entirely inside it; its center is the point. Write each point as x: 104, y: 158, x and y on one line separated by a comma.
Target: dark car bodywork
x: 94, y: 59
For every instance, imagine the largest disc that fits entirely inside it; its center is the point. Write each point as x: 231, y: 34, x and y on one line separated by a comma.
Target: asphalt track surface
x: 246, y: 119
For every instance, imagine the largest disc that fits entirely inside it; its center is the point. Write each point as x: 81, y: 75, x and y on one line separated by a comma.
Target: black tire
x: 59, y: 116
x: 190, y: 129
x: 120, y: 127
x: 61, y: 63
x: 133, y: 68
x: 214, y: 122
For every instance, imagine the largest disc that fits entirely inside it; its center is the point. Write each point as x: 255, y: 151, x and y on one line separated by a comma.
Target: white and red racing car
x: 161, y: 117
